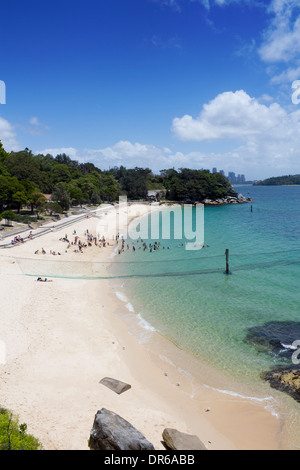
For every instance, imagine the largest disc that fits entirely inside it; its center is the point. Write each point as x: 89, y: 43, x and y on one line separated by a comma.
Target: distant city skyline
x: 232, y: 177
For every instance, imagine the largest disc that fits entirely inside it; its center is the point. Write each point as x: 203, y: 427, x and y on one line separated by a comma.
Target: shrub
x: 9, y: 215
x: 13, y: 436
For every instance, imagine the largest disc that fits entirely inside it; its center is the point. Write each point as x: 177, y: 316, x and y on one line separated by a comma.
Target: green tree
x: 54, y: 207
x: 132, y: 182
x: 62, y: 196
x: 20, y: 199
x: 9, y: 215
x: 60, y: 173
x: 23, y: 166
x: 3, y: 153
x: 37, y: 201
x: 194, y: 185
x: 8, y: 187
x: 76, y: 194
x: 95, y: 198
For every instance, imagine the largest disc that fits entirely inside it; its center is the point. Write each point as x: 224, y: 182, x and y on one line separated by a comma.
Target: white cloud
x: 264, y: 139
x: 8, y: 135
x: 36, y: 127
x: 269, y: 152
x: 231, y: 115
x: 34, y: 121
x: 282, y: 46
x: 122, y: 153
x: 176, y: 4
x: 269, y: 135
x: 169, y: 3
x: 70, y: 151
x: 286, y: 76
x: 282, y: 39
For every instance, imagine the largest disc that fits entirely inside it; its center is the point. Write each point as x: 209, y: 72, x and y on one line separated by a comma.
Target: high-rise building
x: 232, y: 177
x: 241, y: 179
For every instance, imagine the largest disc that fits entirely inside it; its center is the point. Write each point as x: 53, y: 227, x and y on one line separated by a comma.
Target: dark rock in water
x: 176, y: 440
x: 286, y: 380
x: 112, y: 432
x: 275, y: 337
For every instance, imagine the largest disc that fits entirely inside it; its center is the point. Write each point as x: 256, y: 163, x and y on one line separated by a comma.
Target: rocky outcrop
x: 241, y: 198
x: 232, y: 192
x: 115, y: 385
x: 176, y: 440
x: 286, y: 380
x: 112, y: 432
x: 232, y: 198
x: 279, y: 339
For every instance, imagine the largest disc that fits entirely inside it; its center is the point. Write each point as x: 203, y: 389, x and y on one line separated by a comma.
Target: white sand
x: 63, y: 337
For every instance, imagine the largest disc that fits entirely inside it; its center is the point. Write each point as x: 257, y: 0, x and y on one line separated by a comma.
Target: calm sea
x: 187, y: 297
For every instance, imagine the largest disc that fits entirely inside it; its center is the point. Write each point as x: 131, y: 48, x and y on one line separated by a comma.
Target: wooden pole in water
x: 227, y: 261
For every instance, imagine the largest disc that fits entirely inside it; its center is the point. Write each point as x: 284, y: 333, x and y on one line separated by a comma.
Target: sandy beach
x: 62, y: 337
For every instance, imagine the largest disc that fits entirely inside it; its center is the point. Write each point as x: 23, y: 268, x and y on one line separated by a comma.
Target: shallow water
x: 187, y: 297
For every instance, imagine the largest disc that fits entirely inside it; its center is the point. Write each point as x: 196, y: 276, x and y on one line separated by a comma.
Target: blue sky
x: 154, y: 83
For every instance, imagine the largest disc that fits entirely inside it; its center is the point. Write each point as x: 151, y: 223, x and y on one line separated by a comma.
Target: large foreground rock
x: 176, y: 440
x: 112, y: 432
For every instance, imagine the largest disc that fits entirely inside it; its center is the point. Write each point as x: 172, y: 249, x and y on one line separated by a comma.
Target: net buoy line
x: 170, y: 260
x: 36, y: 271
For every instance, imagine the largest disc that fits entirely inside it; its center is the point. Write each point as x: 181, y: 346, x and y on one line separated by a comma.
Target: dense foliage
x: 14, y: 436
x: 194, y: 185
x: 280, y: 181
x: 26, y: 178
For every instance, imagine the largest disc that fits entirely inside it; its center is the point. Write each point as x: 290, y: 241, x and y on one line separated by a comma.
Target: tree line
x: 285, y: 180
x: 26, y: 178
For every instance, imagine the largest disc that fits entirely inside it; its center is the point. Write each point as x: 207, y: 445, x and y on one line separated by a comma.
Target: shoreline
x: 248, y: 420
x: 62, y: 338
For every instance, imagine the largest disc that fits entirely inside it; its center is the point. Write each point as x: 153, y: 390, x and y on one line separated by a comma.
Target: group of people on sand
x: 90, y: 240
x: 77, y: 244
x: 17, y: 240
x: 44, y: 252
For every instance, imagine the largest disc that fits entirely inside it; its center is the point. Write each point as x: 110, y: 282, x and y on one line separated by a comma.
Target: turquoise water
x: 186, y: 295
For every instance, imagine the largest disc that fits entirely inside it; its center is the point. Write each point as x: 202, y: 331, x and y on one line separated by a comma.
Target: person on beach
x: 40, y: 279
